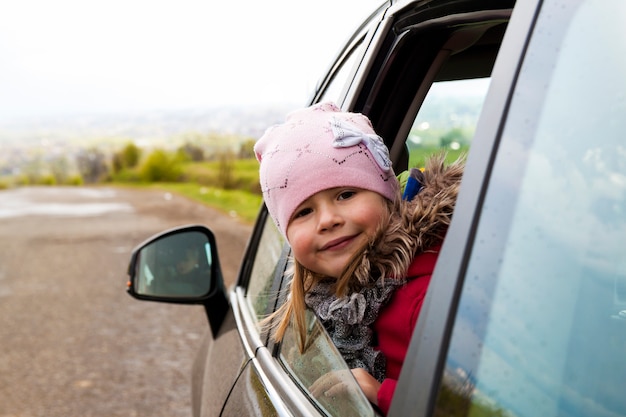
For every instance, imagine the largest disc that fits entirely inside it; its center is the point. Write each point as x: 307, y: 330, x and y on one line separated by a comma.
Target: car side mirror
x: 180, y: 265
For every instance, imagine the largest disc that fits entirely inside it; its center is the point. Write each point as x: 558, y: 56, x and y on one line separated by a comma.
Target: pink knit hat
x: 317, y: 148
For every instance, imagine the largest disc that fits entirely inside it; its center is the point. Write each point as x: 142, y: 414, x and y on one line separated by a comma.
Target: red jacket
x: 395, y: 323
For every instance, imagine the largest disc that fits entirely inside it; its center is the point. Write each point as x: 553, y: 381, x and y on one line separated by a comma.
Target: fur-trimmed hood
x: 415, y: 226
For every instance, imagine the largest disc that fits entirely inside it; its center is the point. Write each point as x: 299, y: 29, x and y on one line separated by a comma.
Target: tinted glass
x: 541, y: 326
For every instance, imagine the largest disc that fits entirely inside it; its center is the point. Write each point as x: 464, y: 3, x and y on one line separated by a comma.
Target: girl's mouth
x: 339, y: 243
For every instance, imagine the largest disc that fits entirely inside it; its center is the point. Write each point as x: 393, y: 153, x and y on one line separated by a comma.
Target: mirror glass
x: 176, y: 265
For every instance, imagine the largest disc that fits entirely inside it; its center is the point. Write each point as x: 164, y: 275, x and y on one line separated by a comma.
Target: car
x: 526, y: 311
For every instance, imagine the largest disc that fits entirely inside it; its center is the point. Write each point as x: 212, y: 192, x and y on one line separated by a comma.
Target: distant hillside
x: 147, y: 126
x: 159, y: 126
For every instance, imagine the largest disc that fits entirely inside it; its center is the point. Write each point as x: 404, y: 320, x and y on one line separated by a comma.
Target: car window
x: 541, y: 325
x: 317, y: 364
x: 266, y: 261
x: 447, y: 119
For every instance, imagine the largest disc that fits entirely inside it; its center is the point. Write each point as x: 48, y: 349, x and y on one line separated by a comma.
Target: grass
x: 419, y: 155
x: 240, y: 204
x: 240, y: 174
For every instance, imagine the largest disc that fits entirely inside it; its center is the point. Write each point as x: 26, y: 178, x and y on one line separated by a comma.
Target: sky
x: 68, y: 57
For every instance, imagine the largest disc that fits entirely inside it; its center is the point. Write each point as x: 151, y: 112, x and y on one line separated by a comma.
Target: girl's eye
x: 344, y: 195
x: 302, y: 213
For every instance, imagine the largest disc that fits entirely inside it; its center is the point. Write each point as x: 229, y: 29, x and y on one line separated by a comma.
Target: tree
x: 130, y: 155
x: 60, y: 168
x: 455, y: 135
x: 192, y: 152
x: 161, y: 166
x: 92, y: 165
x: 225, y: 177
x: 246, y: 150
x: 127, y: 158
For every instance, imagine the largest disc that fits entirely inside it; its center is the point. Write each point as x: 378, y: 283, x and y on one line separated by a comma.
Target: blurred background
x: 79, y: 75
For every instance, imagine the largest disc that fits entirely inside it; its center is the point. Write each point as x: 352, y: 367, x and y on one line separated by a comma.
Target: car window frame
x: 320, y: 344
x: 252, y: 335
x: 280, y: 389
x: 392, y: 115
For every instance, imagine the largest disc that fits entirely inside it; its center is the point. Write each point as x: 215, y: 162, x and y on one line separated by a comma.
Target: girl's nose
x: 329, y: 221
x: 329, y: 218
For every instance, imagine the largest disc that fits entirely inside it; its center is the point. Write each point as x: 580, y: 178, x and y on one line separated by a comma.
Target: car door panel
x: 249, y: 396
x: 216, y: 369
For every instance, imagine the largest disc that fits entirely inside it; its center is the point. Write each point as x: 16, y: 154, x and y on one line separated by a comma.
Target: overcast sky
x: 81, y: 56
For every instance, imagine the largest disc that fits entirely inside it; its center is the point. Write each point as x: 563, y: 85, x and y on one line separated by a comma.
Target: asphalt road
x: 73, y: 343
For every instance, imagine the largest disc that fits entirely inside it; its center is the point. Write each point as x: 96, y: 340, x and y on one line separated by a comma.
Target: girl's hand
x: 369, y: 385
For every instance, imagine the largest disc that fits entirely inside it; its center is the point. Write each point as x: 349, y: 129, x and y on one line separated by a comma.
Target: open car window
x: 447, y: 120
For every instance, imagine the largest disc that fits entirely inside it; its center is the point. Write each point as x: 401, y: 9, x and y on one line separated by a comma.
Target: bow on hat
x: 346, y: 135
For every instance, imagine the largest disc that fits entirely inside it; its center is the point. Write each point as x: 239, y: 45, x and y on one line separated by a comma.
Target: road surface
x: 73, y: 342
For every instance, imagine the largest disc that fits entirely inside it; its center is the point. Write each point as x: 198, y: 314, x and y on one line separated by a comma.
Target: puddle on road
x: 29, y: 202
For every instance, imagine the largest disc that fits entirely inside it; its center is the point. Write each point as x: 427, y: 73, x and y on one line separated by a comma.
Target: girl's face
x: 328, y: 228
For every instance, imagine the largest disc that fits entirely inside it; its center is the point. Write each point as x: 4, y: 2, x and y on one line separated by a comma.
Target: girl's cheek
x: 294, y: 236
x: 297, y: 229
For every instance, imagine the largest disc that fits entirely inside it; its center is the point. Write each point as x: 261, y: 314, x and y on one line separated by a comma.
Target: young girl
x: 363, y: 256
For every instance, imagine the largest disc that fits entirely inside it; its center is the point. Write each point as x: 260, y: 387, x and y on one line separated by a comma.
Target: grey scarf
x: 348, y: 320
